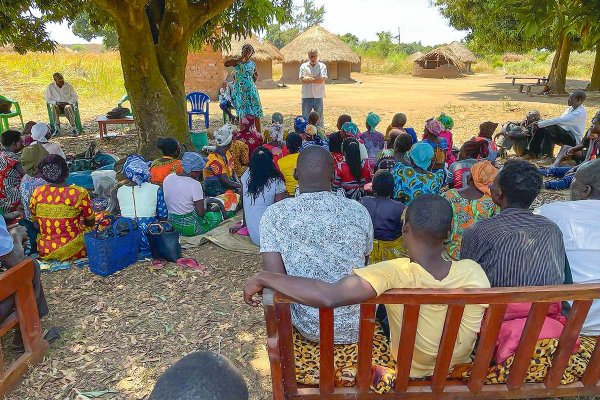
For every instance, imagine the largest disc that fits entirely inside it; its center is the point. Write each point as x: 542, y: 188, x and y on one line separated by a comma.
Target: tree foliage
x: 84, y: 28
x: 300, y: 19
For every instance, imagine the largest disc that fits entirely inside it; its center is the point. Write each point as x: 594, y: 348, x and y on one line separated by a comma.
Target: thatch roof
x: 262, y: 52
x: 275, y: 53
x: 330, y: 47
x: 415, y: 56
x: 462, y: 53
x: 442, y: 52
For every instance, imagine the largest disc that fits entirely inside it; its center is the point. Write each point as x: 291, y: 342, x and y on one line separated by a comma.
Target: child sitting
x: 352, y: 173
x: 386, y: 215
x: 486, y: 132
x: 273, y: 136
x: 398, y: 122
x: 225, y: 101
x: 313, y: 119
x: 448, y: 124
x: 431, y: 136
x: 312, y: 138
x: 373, y: 140
x: 342, y: 119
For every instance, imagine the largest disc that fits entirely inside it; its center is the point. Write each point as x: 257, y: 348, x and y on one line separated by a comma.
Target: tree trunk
x: 556, y: 58
x: 157, y: 95
x: 558, y: 81
x: 595, y: 81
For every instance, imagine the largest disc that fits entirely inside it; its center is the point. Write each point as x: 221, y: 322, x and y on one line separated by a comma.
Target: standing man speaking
x: 313, y: 75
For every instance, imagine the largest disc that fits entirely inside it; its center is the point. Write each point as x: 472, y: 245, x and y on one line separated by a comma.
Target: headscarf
x: 372, y: 121
x: 54, y: 169
x: 350, y: 127
x: 421, y: 154
x: 446, y: 120
x: 192, y: 162
x: 277, y: 117
x: 310, y: 130
x: 224, y: 135
x: 136, y: 169
x: 31, y: 158
x: 300, y: 124
x: 434, y: 127
x: 247, y: 123
x: 39, y: 132
x: 483, y: 174
x: 487, y: 129
x: 276, y: 131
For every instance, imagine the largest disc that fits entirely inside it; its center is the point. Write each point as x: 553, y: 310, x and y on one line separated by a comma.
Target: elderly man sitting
x: 579, y: 220
x: 61, y: 97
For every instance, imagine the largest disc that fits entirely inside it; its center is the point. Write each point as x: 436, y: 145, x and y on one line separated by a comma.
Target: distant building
x: 451, y: 61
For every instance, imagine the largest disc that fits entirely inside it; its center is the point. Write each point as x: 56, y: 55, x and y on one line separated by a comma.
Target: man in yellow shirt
x: 287, y: 164
x: 427, y: 224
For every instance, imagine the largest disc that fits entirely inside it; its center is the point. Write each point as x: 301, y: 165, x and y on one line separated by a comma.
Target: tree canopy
x: 301, y: 18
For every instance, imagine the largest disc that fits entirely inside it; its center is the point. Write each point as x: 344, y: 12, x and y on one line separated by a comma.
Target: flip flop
x: 157, y: 265
x: 191, y: 264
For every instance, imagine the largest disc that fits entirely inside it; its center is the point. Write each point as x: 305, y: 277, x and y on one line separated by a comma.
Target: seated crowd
x: 339, y: 218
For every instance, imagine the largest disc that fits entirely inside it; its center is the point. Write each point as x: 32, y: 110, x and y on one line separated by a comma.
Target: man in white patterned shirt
x: 318, y: 235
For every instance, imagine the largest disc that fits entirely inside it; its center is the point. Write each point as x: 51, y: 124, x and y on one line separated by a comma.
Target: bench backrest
x: 17, y: 282
x: 281, y: 352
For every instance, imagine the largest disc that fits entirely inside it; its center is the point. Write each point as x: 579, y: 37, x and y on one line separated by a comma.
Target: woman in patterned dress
x: 11, y: 173
x: 61, y: 213
x: 245, y: 94
x: 413, y: 180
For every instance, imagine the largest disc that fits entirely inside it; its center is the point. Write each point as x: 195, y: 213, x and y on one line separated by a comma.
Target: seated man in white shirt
x: 579, y: 220
x: 61, y: 97
x: 565, y: 130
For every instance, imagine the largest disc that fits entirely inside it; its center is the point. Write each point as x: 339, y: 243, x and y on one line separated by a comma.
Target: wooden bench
x: 541, y: 80
x: 17, y: 281
x: 527, y: 86
x: 439, y: 386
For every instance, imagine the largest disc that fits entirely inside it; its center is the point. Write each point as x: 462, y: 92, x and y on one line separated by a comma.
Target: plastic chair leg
x: 206, y: 121
x: 190, y: 121
x: 22, y: 124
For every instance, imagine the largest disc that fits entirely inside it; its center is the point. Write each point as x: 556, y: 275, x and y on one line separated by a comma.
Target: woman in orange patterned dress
x: 61, y: 213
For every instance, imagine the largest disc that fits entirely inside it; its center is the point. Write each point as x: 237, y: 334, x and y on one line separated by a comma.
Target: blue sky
x: 415, y: 18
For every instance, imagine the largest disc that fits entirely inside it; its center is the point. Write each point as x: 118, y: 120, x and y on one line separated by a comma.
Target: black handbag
x: 164, y: 241
x: 118, y: 113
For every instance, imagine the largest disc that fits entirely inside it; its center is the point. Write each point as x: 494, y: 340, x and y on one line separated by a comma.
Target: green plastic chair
x: 125, y: 99
x: 4, y: 126
x: 78, y: 125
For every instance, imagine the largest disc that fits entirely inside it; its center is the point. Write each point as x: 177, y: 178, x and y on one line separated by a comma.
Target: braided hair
x: 262, y: 170
x: 351, y: 150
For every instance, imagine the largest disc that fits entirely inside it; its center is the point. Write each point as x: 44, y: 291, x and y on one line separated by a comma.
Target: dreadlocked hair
x: 351, y: 150
x: 262, y: 170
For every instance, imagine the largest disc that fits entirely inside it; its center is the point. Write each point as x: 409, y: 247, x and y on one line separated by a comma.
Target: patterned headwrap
x: 434, y: 127
x: 300, y: 124
x: 224, y: 135
x: 310, y: 130
x: 136, y: 169
x: 54, y: 169
x: 351, y: 128
x: 276, y: 131
x: 446, y: 120
x: 421, y: 154
x: 483, y: 174
x: 192, y: 162
x: 372, y: 121
x: 247, y: 123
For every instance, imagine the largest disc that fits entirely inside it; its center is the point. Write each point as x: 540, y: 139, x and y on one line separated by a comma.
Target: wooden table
x: 103, y: 121
x: 541, y: 80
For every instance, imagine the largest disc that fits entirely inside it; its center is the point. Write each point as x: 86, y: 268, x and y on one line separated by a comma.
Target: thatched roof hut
x: 464, y: 55
x: 264, y: 55
x: 337, y: 55
x: 415, y: 56
x: 438, y: 63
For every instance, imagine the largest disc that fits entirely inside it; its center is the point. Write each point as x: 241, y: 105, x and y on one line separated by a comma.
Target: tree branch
x: 205, y: 10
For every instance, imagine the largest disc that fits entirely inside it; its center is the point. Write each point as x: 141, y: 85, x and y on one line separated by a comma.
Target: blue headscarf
x: 136, y: 169
x: 421, y: 154
x: 350, y: 127
x: 372, y: 121
x: 300, y: 124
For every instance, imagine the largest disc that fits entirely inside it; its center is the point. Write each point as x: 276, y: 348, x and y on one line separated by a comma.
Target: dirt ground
x: 121, y: 332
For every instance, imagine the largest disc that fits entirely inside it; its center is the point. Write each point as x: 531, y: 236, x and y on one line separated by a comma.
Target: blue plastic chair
x: 199, y: 103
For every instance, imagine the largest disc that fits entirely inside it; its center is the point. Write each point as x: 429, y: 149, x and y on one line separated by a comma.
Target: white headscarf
x: 39, y: 132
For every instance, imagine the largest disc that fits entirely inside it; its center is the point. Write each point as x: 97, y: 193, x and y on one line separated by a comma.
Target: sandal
x: 157, y: 265
x: 191, y: 264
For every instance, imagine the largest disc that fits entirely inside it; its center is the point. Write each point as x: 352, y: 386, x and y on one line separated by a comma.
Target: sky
x: 415, y: 18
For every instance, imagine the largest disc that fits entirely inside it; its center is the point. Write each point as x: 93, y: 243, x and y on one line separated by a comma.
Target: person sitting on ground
x: 274, y: 137
x: 386, y: 215
x: 516, y: 135
x: 395, y: 151
x: 140, y: 200
x: 184, y: 197
x: 471, y: 152
x: 169, y: 163
x: 486, y: 133
x: 448, y: 124
x: 12, y: 254
x: 427, y: 224
x: 248, y: 134
x: 314, y: 119
x: 40, y: 133
x: 240, y: 153
x: 565, y: 130
x: 414, y: 179
x: 578, y: 221
x: 225, y: 101
x: 398, y: 122
x: 312, y: 138
x: 498, y: 244
x: 373, y: 139
x: 61, y: 213
x: 431, y: 136
x: 350, y: 131
x: 201, y: 376
x: 11, y: 172
x: 335, y: 141
x: 567, y: 174
x: 297, y: 243
x: 26, y: 133
x: 262, y: 185
x: 470, y: 204
x: 218, y: 173
x: 287, y: 164
x: 61, y: 97
x: 342, y: 119
x: 352, y: 173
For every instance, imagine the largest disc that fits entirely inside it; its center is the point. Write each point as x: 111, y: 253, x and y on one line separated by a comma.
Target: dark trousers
x: 7, y: 305
x: 544, y: 139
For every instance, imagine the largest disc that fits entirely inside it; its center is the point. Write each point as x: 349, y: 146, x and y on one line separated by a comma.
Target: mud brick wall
x: 204, y: 72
